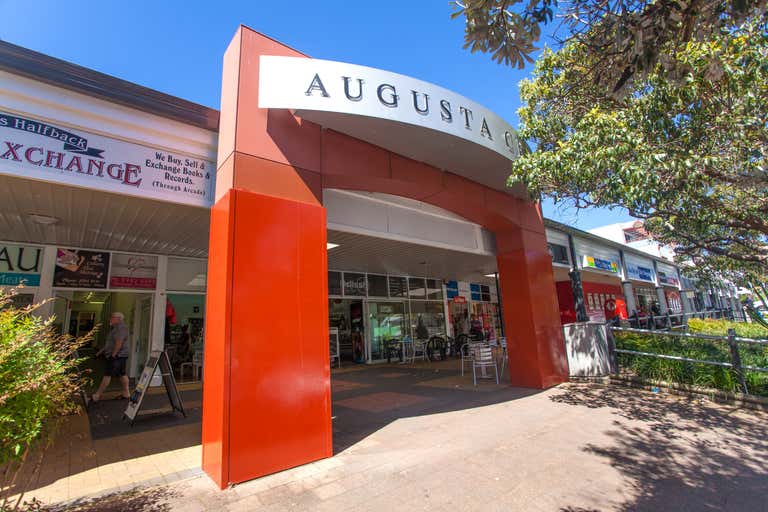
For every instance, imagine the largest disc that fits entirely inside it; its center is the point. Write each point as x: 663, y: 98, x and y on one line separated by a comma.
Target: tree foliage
x: 623, y: 37
x: 685, y: 150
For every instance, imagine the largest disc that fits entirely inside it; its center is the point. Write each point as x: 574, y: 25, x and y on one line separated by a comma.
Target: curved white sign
x: 310, y: 84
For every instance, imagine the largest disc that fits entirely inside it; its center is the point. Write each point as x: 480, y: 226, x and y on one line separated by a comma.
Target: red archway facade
x: 266, y: 399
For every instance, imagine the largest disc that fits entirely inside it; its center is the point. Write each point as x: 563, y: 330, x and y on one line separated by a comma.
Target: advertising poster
x: 81, y: 269
x: 133, y: 271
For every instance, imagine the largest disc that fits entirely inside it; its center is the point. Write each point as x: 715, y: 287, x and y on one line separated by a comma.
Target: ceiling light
x: 490, y: 275
x: 45, y: 220
x: 330, y: 246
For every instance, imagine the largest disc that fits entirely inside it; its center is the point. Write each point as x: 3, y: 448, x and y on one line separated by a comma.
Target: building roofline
x: 37, y: 66
x: 605, y: 241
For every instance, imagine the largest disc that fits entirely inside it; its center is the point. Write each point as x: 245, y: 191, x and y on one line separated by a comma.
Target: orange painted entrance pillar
x: 535, y: 341
x: 266, y: 398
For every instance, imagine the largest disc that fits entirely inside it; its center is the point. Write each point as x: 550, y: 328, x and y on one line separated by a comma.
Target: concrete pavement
x: 420, y: 439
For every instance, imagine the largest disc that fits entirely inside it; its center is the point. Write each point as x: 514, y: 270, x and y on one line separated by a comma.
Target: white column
x: 45, y: 290
x: 447, y: 312
x: 662, y: 300
x: 158, y: 305
x: 629, y: 297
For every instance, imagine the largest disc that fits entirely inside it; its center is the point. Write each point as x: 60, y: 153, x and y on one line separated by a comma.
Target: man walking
x: 116, y: 352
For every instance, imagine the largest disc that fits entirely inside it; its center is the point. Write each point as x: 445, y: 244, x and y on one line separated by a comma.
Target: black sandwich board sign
x: 157, y: 358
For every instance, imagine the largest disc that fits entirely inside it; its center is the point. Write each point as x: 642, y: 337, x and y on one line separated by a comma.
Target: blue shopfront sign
x: 20, y: 265
x: 15, y: 279
x: 639, y: 273
x: 451, y: 289
x: 600, y: 264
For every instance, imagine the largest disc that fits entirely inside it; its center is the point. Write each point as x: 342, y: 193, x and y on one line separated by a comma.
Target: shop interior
x: 184, y: 334
x: 78, y: 313
x: 390, y: 290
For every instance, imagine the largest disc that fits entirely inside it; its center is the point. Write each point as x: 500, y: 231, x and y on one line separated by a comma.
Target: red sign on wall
x: 133, y: 271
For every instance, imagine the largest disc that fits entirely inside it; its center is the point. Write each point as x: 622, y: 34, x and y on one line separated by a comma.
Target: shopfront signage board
x: 35, y: 149
x: 157, y: 360
x: 299, y: 83
x: 451, y: 289
x: 666, y: 279
x: 133, y: 271
x: 600, y: 264
x: 639, y: 273
x: 81, y: 269
x: 20, y: 264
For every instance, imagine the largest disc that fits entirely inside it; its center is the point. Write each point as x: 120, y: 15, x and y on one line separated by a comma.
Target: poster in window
x: 80, y: 269
x: 133, y: 271
x: 355, y: 285
x: 398, y: 286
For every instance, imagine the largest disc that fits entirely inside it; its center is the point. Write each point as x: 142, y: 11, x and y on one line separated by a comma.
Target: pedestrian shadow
x: 679, y: 453
x: 158, y: 499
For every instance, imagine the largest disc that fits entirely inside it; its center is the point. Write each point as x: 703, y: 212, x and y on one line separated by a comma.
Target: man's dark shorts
x: 115, y: 366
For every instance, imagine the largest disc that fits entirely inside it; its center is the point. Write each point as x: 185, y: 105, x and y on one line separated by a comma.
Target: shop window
x: 559, y: 253
x: 417, y: 288
x: 334, y: 283
x: 355, y: 285
x: 377, y: 285
x: 398, y: 287
x: 184, y: 334
x: 485, y: 293
x: 427, y: 319
x: 434, y: 289
x: 186, y: 275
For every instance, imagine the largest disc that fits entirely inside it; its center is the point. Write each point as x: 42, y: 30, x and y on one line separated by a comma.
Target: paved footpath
x: 574, y: 448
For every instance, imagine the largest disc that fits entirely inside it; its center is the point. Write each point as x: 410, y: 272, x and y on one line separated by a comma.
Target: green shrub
x: 654, y: 369
x: 38, y: 382
x: 720, y: 328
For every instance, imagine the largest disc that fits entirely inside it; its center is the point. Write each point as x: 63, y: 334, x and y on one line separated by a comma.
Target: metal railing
x: 733, y: 344
x: 670, y: 321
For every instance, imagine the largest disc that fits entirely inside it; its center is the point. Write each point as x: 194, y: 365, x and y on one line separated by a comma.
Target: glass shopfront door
x: 386, y: 321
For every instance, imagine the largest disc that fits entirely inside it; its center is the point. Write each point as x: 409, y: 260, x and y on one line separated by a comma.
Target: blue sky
x: 176, y: 47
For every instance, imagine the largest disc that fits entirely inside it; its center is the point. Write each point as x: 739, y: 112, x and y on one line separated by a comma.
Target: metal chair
x: 504, y: 354
x: 483, y: 358
x: 419, y: 349
x: 196, y: 365
x: 467, y: 354
x: 333, y: 347
x: 459, y: 342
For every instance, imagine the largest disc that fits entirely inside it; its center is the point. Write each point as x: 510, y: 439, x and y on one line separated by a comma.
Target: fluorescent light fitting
x: 45, y: 220
x: 330, y: 246
x: 490, y: 275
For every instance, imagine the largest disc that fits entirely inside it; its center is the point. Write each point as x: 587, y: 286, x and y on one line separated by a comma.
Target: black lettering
x: 445, y: 111
x: 33, y: 268
x: 484, y: 131
x: 4, y: 256
x: 317, y: 84
x: 467, y: 116
x: 359, y: 95
x: 392, y: 101
x: 425, y: 110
